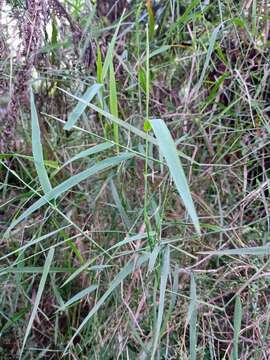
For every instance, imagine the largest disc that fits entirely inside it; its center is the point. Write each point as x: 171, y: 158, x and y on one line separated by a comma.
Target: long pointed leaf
x: 69, y: 183
x: 212, y: 42
x: 114, y: 119
x: 37, y: 148
x: 114, y: 104
x: 192, y: 319
x: 163, y: 282
x: 237, y: 318
x: 81, y: 106
x: 168, y: 149
x: 78, y: 297
x: 109, y: 55
x: 256, y: 251
x: 45, y: 273
x: 91, y: 151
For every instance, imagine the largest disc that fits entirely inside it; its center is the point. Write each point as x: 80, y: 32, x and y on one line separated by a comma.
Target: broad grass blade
x: 69, y: 183
x: 46, y: 269
x: 168, y: 149
x: 81, y: 106
x: 37, y: 148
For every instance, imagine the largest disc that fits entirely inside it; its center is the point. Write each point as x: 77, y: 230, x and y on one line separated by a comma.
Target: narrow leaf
x: 81, y: 106
x: 256, y: 251
x: 153, y: 258
x: 45, y: 273
x: 192, y: 319
x: 151, y: 18
x: 169, y: 151
x: 69, y: 183
x: 78, y: 297
x: 109, y: 55
x: 91, y: 151
x: 163, y: 282
x: 130, y: 239
x: 37, y: 148
x: 34, y: 242
x: 119, y: 205
x: 114, y: 119
x: 114, y: 104
x: 99, y: 65
x: 237, y: 318
x: 212, y: 42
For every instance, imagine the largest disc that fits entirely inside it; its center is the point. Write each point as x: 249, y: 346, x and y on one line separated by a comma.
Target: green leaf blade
x: 114, y: 104
x: 163, y: 282
x: 90, y: 93
x: 78, y: 297
x: 71, y: 182
x: 192, y: 319
x: 91, y: 151
x: 109, y: 55
x: 169, y: 151
x: 37, y: 148
x: 237, y: 319
x: 255, y: 251
x: 45, y: 273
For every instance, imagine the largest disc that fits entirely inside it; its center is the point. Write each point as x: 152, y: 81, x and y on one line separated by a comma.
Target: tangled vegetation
x: 134, y: 164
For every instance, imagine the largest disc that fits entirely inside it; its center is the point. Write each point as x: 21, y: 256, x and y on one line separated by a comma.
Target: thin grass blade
x: 119, y: 205
x: 151, y: 18
x: 34, y: 242
x: 109, y: 116
x: 45, y: 273
x: 153, y: 258
x: 114, y: 104
x: 192, y: 319
x: 163, y: 282
x: 212, y: 42
x: 99, y: 65
x: 109, y: 55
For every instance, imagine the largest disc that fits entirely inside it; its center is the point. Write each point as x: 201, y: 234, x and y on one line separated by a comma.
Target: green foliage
x: 134, y: 180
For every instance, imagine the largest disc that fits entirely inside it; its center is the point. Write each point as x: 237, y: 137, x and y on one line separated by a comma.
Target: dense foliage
x: 134, y: 191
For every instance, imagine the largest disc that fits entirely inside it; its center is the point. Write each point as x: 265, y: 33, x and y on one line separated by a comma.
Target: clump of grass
x: 134, y: 220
